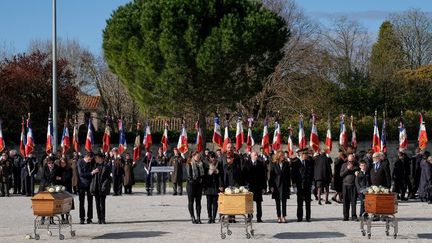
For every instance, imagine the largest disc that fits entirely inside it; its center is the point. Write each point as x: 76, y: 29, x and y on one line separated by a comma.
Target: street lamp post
x: 54, y: 77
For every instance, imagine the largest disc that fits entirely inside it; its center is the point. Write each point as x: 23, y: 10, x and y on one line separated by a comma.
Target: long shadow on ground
x: 424, y: 236
x: 308, y: 235
x: 130, y: 235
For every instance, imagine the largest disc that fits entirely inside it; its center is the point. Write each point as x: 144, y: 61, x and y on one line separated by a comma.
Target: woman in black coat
x: 101, y: 185
x: 64, y: 178
x: 212, y: 185
x: 337, y: 179
x: 280, y: 183
x: 425, y: 186
x: 195, y: 174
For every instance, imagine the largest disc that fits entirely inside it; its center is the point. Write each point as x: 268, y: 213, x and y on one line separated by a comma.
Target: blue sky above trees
x: 22, y: 21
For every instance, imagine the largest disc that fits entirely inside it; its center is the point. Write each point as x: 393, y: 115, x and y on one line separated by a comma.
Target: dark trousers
x: 29, y: 185
x: 349, y: 199
x: 194, y: 191
x: 100, y: 206
x: 280, y: 207
x: 4, y: 186
x: 212, y: 206
x: 258, y: 209
x: 362, y: 207
x: 128, y: 189
x: 303, y: 195
x: 16, y: 181
x: 81, y: 196
x: 117, y: 185
x: 161, y: 183
x: 149, y: 183
x: 178, y: 188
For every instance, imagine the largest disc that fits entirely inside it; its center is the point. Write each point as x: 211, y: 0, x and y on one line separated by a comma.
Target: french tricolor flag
x: 250, y: 142
x: 239, y: 134
x: 2, y: 142
x: 422, y: 138
x: 65, y: 142
x: 376, y: 141
x: 30, y: 140
x: 265, y: 141
x: 217, y: 134
x: 89, y: 138
x: 277, y: 138
x: 199, y: 138
x: 314, y: 139
x: 383, y: 137
x: 147, y: 141
x: 49, y: 141
x: 403, y: 138
x: 164, y: 140
x: 23, y: 139
x: 302, y: 135
x: 182, y: 144
x: 343, y: 136
x: 226, y: 138
x: 106, y: 140
x: 290, y: 146
x: 122, y: 136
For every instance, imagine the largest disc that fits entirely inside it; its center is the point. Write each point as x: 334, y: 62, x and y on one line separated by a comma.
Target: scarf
x: 197, y: 169
x: 213, y: 169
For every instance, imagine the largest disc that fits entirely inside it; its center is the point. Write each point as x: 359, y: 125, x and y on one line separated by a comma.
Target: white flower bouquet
x: 378, y: 190
x: 235, y: 190
x: 55, y: 188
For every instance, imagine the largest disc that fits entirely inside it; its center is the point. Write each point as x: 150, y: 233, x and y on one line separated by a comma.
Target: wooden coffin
x: 381, y: 203
x: 49, y: 204
x: 241, y: 203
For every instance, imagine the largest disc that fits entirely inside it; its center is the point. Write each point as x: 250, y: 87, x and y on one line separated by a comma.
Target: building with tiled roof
x: 90, y: 106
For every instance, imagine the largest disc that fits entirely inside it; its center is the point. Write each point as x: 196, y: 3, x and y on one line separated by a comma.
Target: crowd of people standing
x: 278, y: 174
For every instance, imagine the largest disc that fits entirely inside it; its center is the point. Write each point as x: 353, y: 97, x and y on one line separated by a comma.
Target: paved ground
x: 139, y: 218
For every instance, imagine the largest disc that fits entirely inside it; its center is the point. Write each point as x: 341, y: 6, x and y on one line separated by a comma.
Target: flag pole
x: 54, y: 73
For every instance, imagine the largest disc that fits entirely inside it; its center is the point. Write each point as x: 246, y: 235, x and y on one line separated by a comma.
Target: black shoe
x: 42, y: 221
x: 89, y: 221
x: 430, y: 202
x: 209, y: 221
x: 319, y: 202
x: 82, y: 221
x: 345, y: 219
x: 308, y: 220
x: 99, y: 221
x: 299, y: 220
x: 259, y: 221
x: 175, y: 194
x: 193, y: 220
x: 328, y: 202
x: 354, y: 218
x: 198, y: 221
x: 103, y: 221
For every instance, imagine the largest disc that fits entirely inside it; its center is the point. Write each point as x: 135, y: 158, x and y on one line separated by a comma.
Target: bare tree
x: 414, y: 28
x: 349, y: 44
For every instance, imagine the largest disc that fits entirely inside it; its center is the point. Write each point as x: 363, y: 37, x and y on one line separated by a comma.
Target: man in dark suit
x: 85, y: 173
x: 302, y: 177
x: 380, y: 171
x: 254, y: 174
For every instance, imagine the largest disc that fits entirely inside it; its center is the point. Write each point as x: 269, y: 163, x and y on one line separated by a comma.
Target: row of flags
x: 378, y: 141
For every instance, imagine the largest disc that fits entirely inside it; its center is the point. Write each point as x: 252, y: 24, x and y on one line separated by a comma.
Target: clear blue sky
x: 24, y: 20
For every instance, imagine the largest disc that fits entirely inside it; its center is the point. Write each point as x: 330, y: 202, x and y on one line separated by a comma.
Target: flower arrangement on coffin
x: 378, y: 190
x: 55, y: 188
x: 235, y: 190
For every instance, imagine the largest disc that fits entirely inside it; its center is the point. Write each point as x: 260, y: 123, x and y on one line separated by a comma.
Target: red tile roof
x: 88, y: 102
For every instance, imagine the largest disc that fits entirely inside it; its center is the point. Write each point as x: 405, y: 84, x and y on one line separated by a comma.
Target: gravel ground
x: 139, y: 218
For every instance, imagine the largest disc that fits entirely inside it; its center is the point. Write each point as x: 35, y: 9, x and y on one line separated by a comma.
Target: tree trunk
x: 202, y: 114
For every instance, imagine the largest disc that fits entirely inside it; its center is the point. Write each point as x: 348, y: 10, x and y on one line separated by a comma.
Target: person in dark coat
x: 349, y: 190
x: 337, y: 179
x: 48, y: 174
x: 322, y: 176
x: 302, y: 174
x: 101, y: 185
x: 129, y: 177
x: 280, y: 184
x: 85, y: 173
x: 73, y: 165
x: 255, y: 176
x: 16, y: 170
x: 177, y: 161
x: 425, y: 184
x: 117, y: 172
x: 161, y: 177
x: 6, y: 167
x: 149, y: 161
x: 195, y: 174
x: 212, y: 185
x: 415, y: 172
x: 64, y: 178
x: 380, y: 173
x: 28, y: 172
x: 362, y: 182
x: 398, y: 175
x: 232, y: 173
